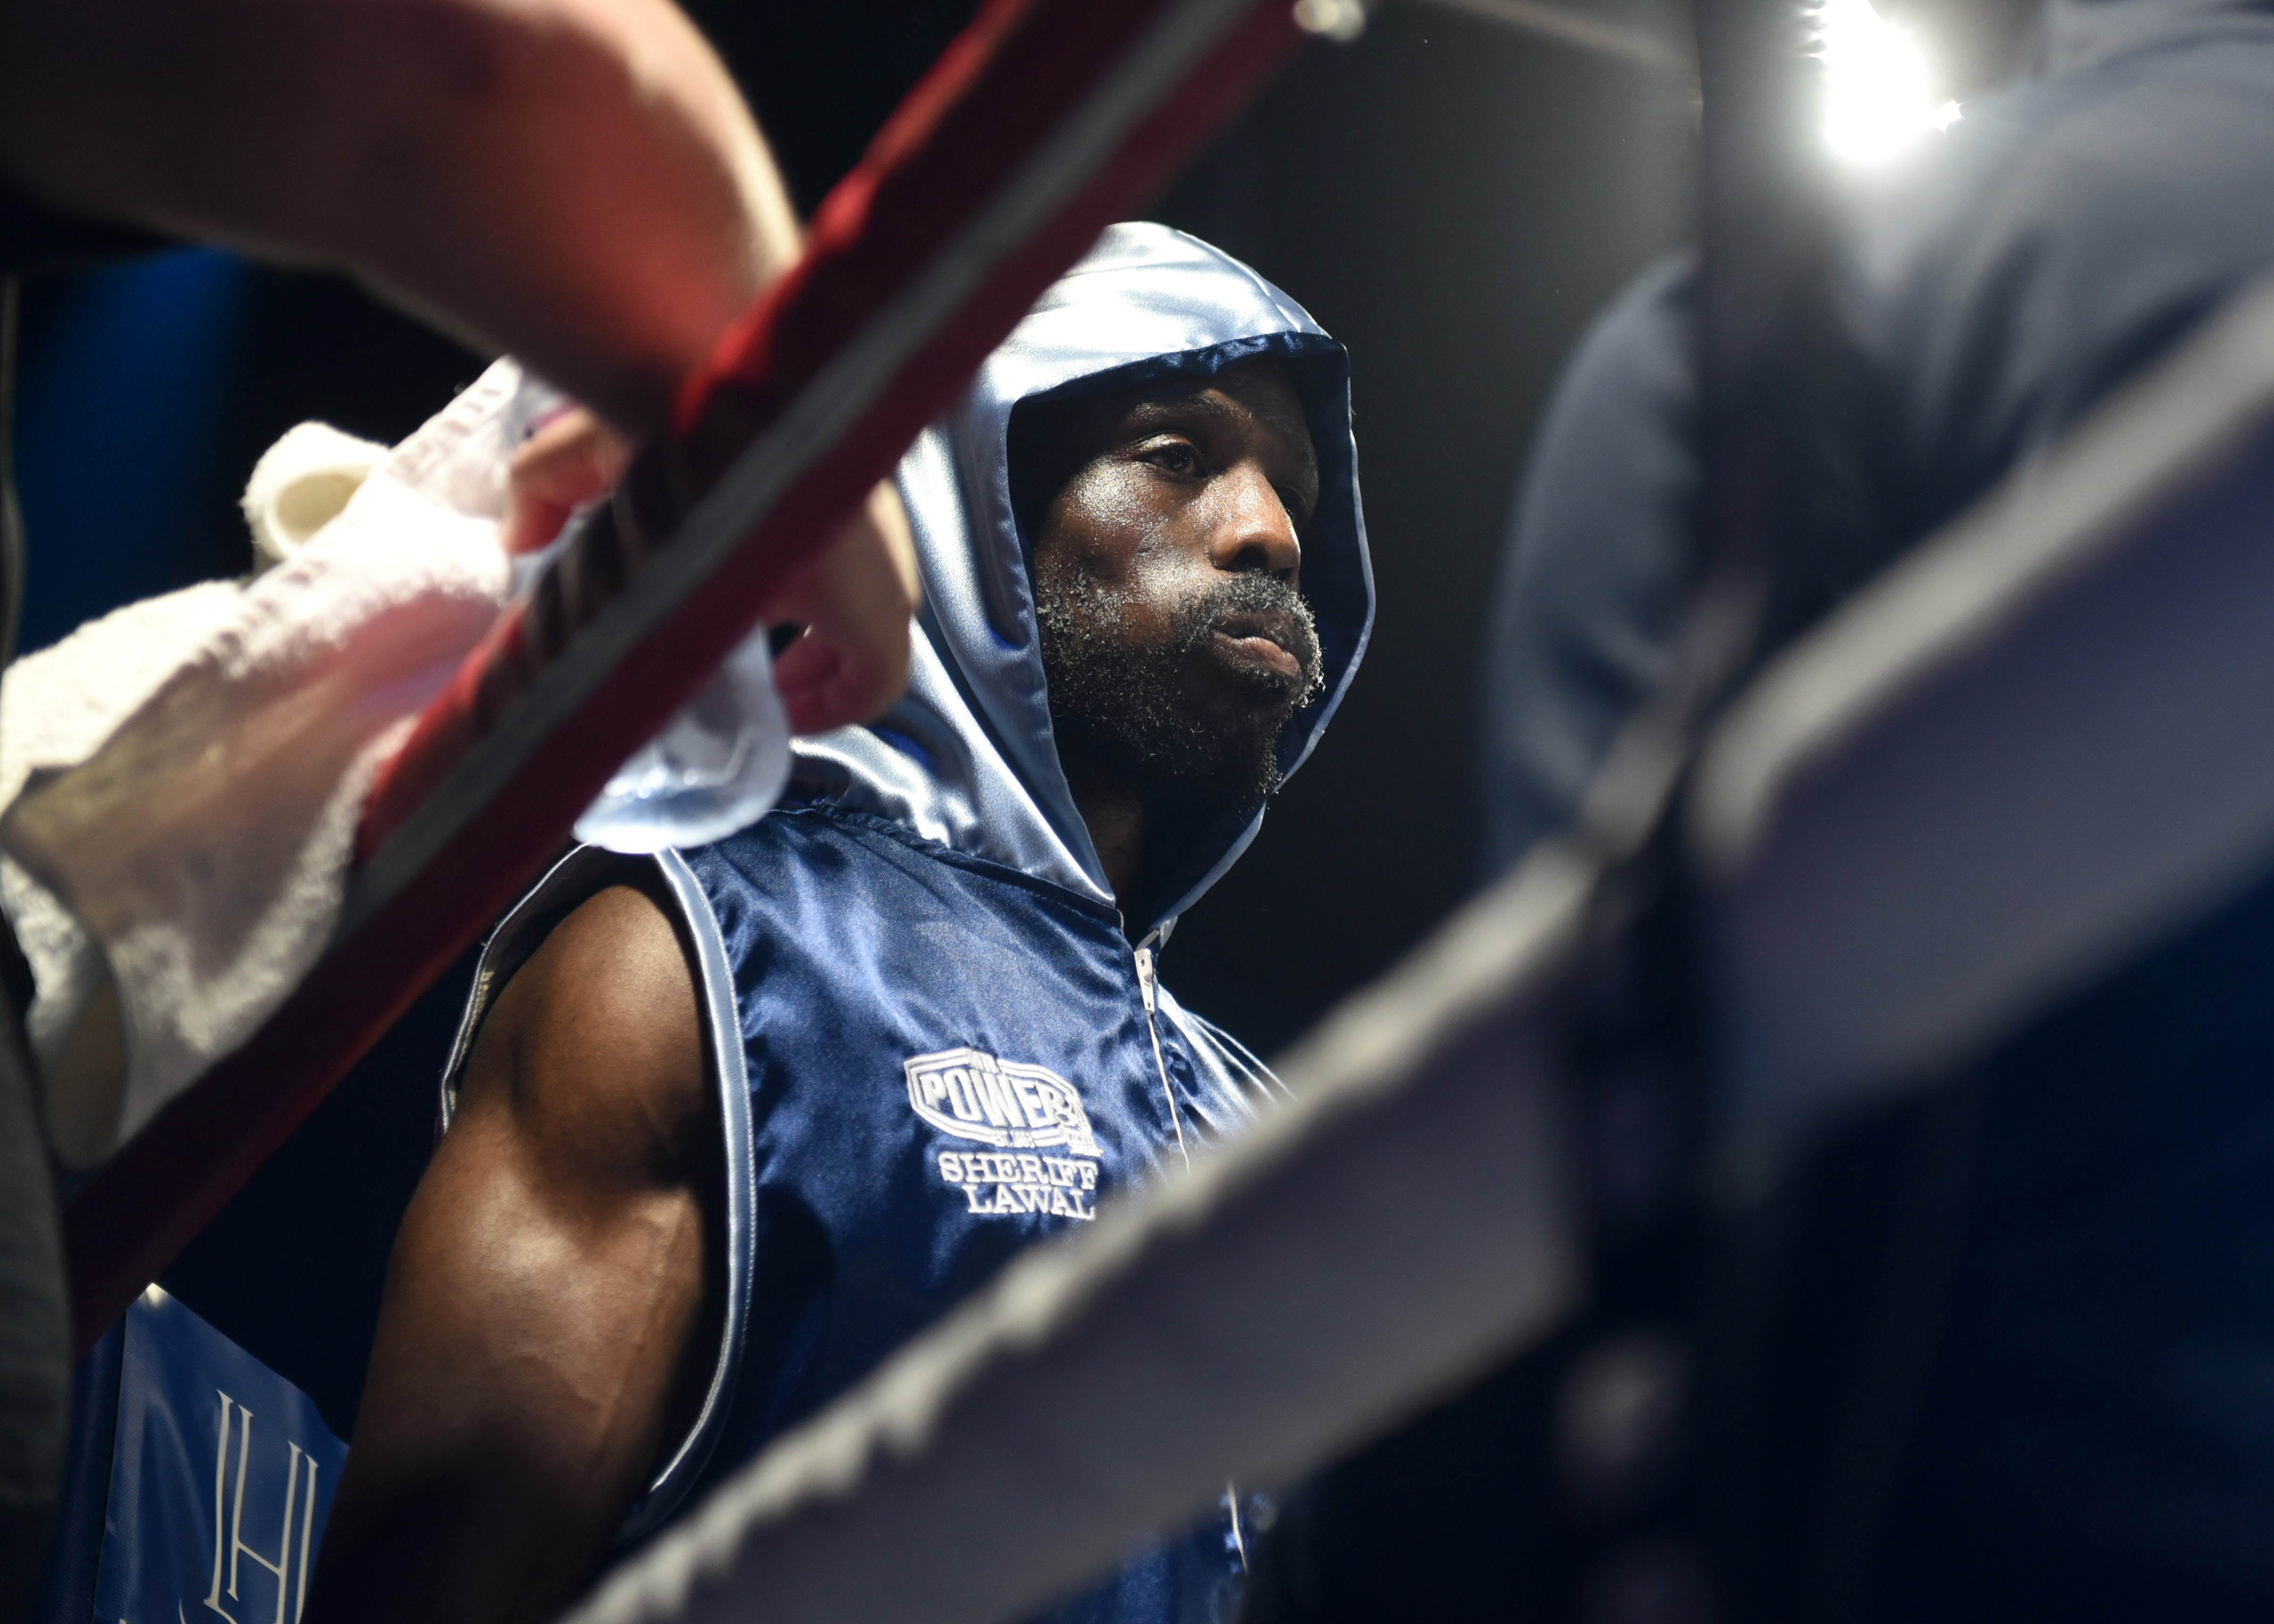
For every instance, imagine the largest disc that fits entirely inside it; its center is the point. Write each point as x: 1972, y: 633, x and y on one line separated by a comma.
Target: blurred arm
x: 575, y: 181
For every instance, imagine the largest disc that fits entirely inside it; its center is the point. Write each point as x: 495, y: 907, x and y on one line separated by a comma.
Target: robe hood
x: 967, y: 758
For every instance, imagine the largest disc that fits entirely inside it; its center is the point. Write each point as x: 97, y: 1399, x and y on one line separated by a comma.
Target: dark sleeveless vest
x: 924, y: 1062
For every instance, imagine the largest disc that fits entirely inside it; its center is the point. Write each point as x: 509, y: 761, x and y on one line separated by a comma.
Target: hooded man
x: 725, y: 1127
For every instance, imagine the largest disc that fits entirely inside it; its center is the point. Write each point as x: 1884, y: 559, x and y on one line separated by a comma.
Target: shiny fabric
x: 857, y: 948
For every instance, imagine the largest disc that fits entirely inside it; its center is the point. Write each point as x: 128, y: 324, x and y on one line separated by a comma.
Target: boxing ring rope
x: 1044, y: 123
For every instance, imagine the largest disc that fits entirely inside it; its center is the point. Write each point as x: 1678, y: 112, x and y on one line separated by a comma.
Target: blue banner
x: 220, y: 1476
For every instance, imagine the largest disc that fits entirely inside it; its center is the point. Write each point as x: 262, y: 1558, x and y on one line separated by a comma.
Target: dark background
x: 1449, y: 197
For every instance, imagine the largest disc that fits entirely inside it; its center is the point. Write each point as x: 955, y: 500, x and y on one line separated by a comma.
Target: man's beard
x: 1128, y: 711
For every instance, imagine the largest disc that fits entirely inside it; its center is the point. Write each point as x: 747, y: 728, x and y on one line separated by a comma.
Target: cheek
x: 1102, y: 521
x: 1172, y: 567
x: 1134, y: 546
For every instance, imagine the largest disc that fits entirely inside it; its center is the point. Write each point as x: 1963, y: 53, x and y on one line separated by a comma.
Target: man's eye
x: 1175, y: 456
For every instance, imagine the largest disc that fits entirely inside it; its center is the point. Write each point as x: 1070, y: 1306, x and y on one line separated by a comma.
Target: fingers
x: 573, y: 460
x: 854, y: 601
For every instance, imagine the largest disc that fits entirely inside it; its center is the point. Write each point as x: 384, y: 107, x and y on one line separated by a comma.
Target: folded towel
x: 302, y: 483
x: 193, y: 766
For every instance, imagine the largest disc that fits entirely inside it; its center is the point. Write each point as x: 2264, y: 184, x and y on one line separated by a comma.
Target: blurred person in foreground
x: 2088, y: 1437
x: 729, y: 1125
x: 576, y: 181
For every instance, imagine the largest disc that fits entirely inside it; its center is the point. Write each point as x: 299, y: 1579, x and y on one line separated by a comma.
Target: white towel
x: 302, y: 483
x: 193, y: 766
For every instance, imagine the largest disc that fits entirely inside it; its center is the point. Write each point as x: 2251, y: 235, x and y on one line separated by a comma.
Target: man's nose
x: 1255, y: 530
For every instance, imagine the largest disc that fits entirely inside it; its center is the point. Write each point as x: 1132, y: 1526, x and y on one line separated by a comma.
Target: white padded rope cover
x: 2041, y: 742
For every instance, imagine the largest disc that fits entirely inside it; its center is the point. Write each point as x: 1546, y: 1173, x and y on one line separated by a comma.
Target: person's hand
x: 851, y: 662
x: 851, y: 603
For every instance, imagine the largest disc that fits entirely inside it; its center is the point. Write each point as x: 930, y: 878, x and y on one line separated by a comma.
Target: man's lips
x: 1252, y: 638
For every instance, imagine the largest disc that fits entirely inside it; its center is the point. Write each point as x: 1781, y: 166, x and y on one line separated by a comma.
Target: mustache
x: 1268, y: 606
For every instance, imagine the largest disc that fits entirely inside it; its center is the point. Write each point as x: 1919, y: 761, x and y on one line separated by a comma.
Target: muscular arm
x: 545, y: 1295
x: 575, y: 181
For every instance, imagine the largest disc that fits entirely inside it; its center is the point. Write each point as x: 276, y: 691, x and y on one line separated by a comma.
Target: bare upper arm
x: 593, y: 1054
x: 546, y: 1305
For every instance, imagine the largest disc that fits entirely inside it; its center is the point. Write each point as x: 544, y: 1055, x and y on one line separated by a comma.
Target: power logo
x: 1020, y: 1111
x: 1000, y: 1102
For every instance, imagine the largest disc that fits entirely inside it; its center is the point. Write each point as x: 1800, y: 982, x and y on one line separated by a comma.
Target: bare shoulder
x: 595, y: 1048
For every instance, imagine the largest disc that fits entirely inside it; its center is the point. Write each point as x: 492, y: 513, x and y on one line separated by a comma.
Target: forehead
x: 1256, y: 396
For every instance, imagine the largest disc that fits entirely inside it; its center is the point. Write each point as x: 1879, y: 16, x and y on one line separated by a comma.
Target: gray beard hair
x: 1122, y: 708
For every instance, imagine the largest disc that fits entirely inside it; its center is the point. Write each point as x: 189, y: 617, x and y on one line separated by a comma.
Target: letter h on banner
x: 232, y: 1524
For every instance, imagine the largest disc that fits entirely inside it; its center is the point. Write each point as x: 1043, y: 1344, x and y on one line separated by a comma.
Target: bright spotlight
x: 1878, y: 88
